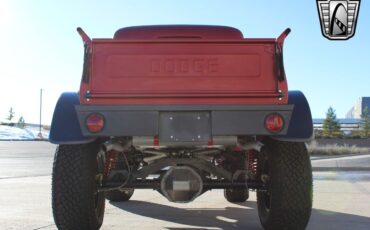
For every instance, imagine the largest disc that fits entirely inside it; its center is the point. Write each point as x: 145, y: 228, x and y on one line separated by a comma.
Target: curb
x: 346, y: 169
x: 313, y: 158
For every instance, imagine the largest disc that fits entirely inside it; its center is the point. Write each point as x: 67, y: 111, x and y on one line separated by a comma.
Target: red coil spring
x: 252, y: 161
x: 111, y: 162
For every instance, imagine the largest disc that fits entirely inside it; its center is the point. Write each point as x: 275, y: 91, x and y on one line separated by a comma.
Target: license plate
x: 184, y: 126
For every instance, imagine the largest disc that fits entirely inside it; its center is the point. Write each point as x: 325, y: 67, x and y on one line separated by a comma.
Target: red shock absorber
x: 252, y: 161
x: 111, y: 162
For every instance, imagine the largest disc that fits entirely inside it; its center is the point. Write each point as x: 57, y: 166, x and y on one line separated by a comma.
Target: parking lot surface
x: 341, y: 200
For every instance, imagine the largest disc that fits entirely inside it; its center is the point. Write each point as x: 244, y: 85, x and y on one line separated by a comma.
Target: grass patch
x: 314, y: 149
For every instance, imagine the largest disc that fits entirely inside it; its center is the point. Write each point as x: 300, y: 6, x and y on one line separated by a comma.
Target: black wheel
x: 285, y: 167
x: 119, y: 195
x: 236, y: 195
x: 237, y: 161
x: 75, y: 179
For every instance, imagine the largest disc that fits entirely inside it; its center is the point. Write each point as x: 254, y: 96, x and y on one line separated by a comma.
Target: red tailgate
x: 173, y: 71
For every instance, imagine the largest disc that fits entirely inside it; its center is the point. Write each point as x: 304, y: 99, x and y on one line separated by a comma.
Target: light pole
x: 40, y: 128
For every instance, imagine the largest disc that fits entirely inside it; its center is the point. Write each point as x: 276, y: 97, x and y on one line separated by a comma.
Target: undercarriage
x: 179, y: 173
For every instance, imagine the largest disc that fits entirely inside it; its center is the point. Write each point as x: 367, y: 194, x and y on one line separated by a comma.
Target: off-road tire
x: 119, y: 195
x: 75, y: 202
x: 288, y: 202
x: 237, y: 162
x: 236, y: 195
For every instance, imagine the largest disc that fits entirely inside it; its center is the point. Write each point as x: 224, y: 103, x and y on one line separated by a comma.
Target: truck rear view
x: 182, y: 110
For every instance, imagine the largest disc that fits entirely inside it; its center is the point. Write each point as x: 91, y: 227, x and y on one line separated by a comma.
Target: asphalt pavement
x: 341, y: 198
x: 26, y: 158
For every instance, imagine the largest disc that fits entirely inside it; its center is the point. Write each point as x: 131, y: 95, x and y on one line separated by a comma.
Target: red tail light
x: 95, y: 123
x: 274, y: 123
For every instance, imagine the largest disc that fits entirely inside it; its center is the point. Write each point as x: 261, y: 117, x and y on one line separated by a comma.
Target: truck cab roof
x: 178, y: 31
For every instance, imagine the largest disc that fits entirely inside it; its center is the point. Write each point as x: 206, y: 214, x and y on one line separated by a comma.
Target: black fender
x: 65, y: 128
x: 300, y: 127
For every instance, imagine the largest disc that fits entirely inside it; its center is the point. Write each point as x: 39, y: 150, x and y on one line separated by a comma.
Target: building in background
x: 349, y: 125
x: 358, y: 108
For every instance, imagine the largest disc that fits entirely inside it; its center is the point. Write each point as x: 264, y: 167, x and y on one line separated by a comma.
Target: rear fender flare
x: 300, y: 126
x: 65, y: 128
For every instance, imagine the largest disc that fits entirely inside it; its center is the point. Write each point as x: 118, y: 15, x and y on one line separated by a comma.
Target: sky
x: 40, y: 48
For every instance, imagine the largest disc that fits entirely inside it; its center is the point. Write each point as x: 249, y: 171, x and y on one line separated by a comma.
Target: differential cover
x: 181, y: 184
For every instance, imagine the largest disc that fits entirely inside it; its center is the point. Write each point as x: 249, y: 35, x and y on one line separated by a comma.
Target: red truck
x: 182, y: 110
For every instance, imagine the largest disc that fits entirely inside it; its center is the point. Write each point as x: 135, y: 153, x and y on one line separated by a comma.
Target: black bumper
x: 184, y: 121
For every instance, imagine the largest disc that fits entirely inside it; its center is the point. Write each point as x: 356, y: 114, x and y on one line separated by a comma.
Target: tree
x: 331, y: 127
x: 11, y: 114
x: 365, y: 122
x: 21, y: 122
